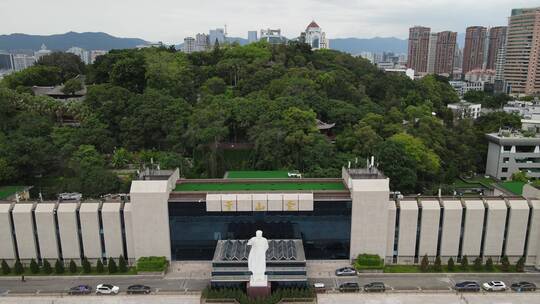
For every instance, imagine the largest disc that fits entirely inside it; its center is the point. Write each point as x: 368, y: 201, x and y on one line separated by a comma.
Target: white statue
x: 257, y: 259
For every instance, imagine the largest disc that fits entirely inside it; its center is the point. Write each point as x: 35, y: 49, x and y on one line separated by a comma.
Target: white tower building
x: 316, y: 37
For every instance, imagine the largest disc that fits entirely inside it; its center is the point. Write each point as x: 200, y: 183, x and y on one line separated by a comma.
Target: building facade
x: 418, y: 48
x: 272, y: 36
x: 252, y: 36
x: 22, y: 61
x: 335, y: 218
x: 474, y: 50
x: 315, y: 37
x: 444, y: 57
x: 6, y: 61
x: 83, y: 54
x: 43, y: 51
x: 510, y: 152
x: 496, y: 42
x: 522, y: 64
x: 464, y: 109
x: 216, y: 36
x: 190, y: 45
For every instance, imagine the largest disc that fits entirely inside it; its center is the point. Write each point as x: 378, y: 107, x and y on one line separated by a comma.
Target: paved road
x: 447, y: 298
x: 155, y: 299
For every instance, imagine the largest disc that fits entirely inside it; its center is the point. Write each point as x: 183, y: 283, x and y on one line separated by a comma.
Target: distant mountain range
x: 104, y: 41
x: 62, y: 42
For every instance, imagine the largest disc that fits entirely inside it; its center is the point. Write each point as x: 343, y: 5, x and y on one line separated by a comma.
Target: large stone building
x: 475, y: 48
x: 418, y: 49
x: 334, y: 218
x: 315, y: 37
x: 522, y: 64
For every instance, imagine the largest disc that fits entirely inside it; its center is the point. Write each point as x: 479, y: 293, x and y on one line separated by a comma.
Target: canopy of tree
x: 235, y: 107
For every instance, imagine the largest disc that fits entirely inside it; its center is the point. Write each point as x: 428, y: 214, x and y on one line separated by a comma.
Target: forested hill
x: 238, y: 107
x: 62, y: 42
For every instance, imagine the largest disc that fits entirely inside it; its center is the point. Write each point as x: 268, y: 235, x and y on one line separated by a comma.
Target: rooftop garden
x: 516, y: 187
x: 256, y: 174
x: 263, y: 186
x: 7, y: 191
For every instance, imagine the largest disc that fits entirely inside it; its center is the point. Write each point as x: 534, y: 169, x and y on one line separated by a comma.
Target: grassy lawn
x: 257, y: 174
x: 457, y: 269
x: 259, y: 186
x: 514, y: 187
x: 7, y: 191
x: 27, y: 272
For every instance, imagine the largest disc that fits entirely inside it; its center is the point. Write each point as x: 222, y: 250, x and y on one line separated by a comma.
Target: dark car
x: 133, y: 289
x: 346, y: 271
x: 374, y: 287
x: 81, y: 289
x: 523, y: 286
x: 349, y: 287
x: 467, y: 286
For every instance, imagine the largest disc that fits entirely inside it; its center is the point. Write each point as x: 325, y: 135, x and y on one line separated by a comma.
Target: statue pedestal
x: 258, y: 291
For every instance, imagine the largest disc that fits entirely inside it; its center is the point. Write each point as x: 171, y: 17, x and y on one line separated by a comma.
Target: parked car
x: 374, y: 287
x: 494, y: 286
x: 346, y: 271
x: 79, y: 290
x: 107, y: 289
x: 467, y: 286
x: 523, y: 286
x: 133, y: 289
x: 349, y: 287
x: 319, y: 287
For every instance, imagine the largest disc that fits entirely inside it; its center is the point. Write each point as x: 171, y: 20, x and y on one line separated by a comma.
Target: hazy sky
x: 172, y: 20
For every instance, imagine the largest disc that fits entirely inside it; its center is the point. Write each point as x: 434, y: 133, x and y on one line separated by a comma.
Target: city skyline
x: 340, y: 19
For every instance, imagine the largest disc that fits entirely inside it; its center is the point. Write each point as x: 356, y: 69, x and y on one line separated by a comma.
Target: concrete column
x: 494, y: 234
x: 129, y: 232
x: 24, y: 231
x: 369, y: 216
x: 517, y: 229
x: 46, y: 228
x: 91, y: 238
x: 408, y: 221
x: 533, y: 242
x: 472, y: 230
x: 451, y: 230
x: 429, y: 228
x: 7, y: 250
x: 391, y: 231
x: 112, y: 229
x: 69, y: 231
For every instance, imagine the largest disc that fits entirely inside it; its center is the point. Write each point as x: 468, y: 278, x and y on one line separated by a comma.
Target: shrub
x: 505, y: 264
x: 424, y: 264
x: 451, y: 265
x: 122, y: 264
x: 489, y: 264
x: 47, y: 267
x: 437, y: 264
x: 87, y: 268
x: 464, y: 263
x: 99, y: 267
x: 152, y: 264
x: 112, y: 266
x: 59, y: 267
x: 520, y: 265
x: 34, y: 267
x: 5, y: 267
x: 369, y: 261
x: 72, y: 266
x: 478, y: 264
x: 18, y: 268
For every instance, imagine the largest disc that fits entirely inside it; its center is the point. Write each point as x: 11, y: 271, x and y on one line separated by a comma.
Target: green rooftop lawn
x: 476, y: 182
x: 257, y: 174
x: 281, y: 186
x: 7, y: 191
x: 514, y: 187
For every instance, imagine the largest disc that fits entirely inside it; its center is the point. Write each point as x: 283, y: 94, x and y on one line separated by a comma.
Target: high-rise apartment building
x: 252, y: 36
x: 432, y: 52
x: 417, y: 55
x: 444, y: 57
x: 473, y: 52
x: 522, y: 64
x: 22, y: 61
x: 6, y: 61
x: 496, y: 41
x: 189, y: 45
x: 217, y: 35
x: 81, y: 53
x: 202, y: 42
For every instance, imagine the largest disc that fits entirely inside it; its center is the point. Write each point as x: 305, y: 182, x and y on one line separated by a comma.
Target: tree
x: 397, y: 165
x: 464, y: 263
x: 34, y: 76
x: 451, y: 265
x: 99, y: 266
x: 59, y: 267
x: 72, y: 266
x: 70, y: 65
x: 112, y: 266
x: 18, y: 268
x: 5, y: 267
x: 214, y: 86
x: 34, y: 267
x: 72, y: 86
x: 122, y: 264
x: 478, y: 264
x: 87, y: 268
x: 505, y: 264
x: 489, y: 264
x: 424, y: 264
x: 520, y: 265
x: 520, y: 176
x: 437, y: 264
x: 47, y: 267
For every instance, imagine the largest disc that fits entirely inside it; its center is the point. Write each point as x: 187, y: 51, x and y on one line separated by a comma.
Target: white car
x: 494, y: 286
x: 107, y: 289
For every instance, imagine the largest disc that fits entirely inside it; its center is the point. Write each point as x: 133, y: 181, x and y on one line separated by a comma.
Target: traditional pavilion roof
x: 324, y: 126
x: 313, y: 24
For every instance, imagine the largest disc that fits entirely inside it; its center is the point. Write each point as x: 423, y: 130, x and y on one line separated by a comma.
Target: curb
x: 78, y: 277
x: 439, y: 274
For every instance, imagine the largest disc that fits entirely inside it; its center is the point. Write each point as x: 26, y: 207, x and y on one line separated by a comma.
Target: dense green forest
x: 235, y: 107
